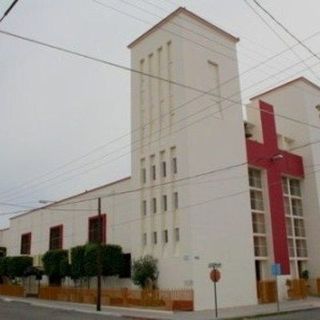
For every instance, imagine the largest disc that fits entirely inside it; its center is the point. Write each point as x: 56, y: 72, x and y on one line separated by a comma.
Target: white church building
x: 206, y: 186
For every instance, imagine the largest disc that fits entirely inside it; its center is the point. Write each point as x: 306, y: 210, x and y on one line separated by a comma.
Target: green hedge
x: 77, y: 262
x: 55, y: 263
x: 14, y: 266
x: 84, y: 260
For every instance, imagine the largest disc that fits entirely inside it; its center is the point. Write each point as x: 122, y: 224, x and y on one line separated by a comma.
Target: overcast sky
x: 56, y: 108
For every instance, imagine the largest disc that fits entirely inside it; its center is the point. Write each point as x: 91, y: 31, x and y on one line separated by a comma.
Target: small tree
x: 16, y: 266
x: 145, y: 272
x: 54, y: 264
x: 77, y: 263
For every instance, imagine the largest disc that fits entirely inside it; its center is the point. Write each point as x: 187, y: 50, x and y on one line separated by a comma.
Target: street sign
x: 276, y: 269
x: 215, y: 275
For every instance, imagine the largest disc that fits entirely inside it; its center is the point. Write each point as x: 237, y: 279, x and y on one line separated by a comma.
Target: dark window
x: 175, y: 200
x: 56, y: 234
x: 25, y: 247
x: 174, y: 165
x: 3, y: 252
x: 154, y: 205
x: 153, y: 172
x: 164, y: 203
x: 94, y: 229
x: 164, y: 169
x: 126, y: 269
x: 165, y: 236
x: 143, y: 175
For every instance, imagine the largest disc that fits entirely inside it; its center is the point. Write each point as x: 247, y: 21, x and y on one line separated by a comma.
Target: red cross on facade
x: 277, y: 163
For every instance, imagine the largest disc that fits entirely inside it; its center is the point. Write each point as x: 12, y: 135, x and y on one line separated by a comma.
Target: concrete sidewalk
x: 226, y: 313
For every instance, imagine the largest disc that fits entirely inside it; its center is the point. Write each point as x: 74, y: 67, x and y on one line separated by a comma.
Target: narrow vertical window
x: 155, y: 239
x: 55, y: 238
x: 143, y: 175
x: 94, y: 229
x: 165, y: 236
x: 174, y: 165
x: 154, y: 205
x: 144, y: 239
x: 164, y: 169
x: 164, y: 203
x: 153, y: 172
x: 175, y: 200
x: 25, y: 247
x: 144, y: 207
x: 177, y: 234
x: 143, y: 171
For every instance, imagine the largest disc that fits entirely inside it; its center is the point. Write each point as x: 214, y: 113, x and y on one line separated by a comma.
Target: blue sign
x: 276, y: 269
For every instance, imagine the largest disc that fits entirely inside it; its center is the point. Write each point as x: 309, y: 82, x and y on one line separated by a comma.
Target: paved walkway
x: 226, y: 313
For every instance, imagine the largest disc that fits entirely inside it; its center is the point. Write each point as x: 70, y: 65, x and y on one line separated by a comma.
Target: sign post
x: 215, y: 276
x: 276, y: 271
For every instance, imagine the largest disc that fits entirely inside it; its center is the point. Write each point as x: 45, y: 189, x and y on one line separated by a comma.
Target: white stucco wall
x: 297, y: 101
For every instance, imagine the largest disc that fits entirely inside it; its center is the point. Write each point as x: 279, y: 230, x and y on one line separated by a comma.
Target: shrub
x: 145, y: 271
x: 112, y: 260
x: 4, y: 266
x: 16, y: 266
x: 77, y: 262
x: 54, y: 263
x: 90, y: 259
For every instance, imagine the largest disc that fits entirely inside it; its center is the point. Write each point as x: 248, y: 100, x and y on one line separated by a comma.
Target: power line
x: 116, y: 65
x: 281, y: 38
x: 288, y: 118
x: 286, y: 29
x: 9, y: 9
x: 250, y: 69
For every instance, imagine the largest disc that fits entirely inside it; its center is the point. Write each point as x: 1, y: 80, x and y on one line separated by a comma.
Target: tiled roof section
x: 189, y: 14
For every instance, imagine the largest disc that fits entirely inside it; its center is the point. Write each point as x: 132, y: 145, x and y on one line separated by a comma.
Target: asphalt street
x: 301, y: 315
x: 24, y: 311
x: 13, y: 310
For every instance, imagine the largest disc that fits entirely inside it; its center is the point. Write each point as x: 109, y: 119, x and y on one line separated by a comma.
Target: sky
x: 65, y: 121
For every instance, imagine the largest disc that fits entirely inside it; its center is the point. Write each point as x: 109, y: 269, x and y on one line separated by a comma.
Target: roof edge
x: 188, y: 13
x: 302, y: 78
x: 72, y: 197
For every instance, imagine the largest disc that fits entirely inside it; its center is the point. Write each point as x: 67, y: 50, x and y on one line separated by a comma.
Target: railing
x: 181, y: 299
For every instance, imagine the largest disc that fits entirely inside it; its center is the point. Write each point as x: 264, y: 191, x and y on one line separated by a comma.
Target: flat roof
x: 71, y: 197
x: 189, y: 14
x: 304, y: 79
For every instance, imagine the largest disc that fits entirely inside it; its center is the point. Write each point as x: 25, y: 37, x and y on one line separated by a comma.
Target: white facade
x: 297, y: 121
x: 187, y: 202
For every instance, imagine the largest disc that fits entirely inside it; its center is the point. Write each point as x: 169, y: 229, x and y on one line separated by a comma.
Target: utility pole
x: 9, y: 9
x: 99, y: 263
